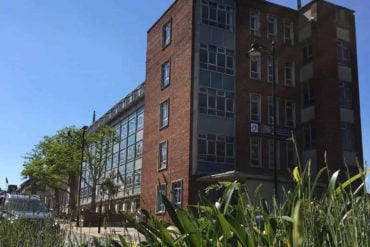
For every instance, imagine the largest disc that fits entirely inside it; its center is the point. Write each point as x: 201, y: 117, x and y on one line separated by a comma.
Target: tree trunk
x: 73, y: 192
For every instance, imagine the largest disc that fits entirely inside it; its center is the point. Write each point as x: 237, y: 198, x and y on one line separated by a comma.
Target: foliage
x: 22, y: 233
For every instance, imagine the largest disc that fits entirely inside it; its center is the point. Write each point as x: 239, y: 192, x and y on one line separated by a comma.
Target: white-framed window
x: 271, y: 28
x: 161, y: 190
x: 176, y: 191
x: 165, y: 74
x: 217, y: 15
x: 255, y: 152
x: 271, y: 154
x: 307, y: 52
x: 217, y: 59
x: 254, y: 22
x: 139, y: 149
x: 270, y: 110
x: 216, y: 102
x: 309, y: 138
x: 345, y: 94
x: 137, y: 177
x: 290, y: 113
x: 255, y: 107
x: 140, y: 119
x: 164, y: 114
x: 216, y: 148
x: 163, y: 155
x: 291, y: 157
x: 166, y: 33
x: 307, y: 92
x: 288, y: 32
x: 344, y: 54
x: 255, y: 68
x: 348, y: 136
x: 289, y: 74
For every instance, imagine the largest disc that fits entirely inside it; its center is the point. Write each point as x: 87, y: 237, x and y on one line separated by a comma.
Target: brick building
x: 208, y: 105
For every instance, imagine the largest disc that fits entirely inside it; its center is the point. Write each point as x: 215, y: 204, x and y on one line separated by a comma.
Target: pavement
x: 86, y: 234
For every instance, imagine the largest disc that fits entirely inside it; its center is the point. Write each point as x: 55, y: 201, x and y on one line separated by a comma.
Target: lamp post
x: 84, y: 128
x: 256, y: 51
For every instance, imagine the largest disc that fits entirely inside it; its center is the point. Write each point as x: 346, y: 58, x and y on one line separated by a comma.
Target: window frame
x: 343, y: 53
x: 211, y: 14
x: 255, y: 74
x: 272, y: 20
x: 216, y: 147
x: 345, y: 94
x: 256, y: 101
x: 293, y: 113
x: 164, y: 119
x: 257, y: 145
x: 166, y: 74
x: 159, y: 205
x: 218, y: 59
x: 308, y: 96
x: 306, y: 52
x: 288, y: 32
x: 174, y: 199
x: 289, y: 74
x: 162, y: 157
x: 167, y: 34
x: 254, y: 22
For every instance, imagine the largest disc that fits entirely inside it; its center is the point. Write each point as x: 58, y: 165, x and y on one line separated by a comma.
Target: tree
x: 55, y: 162
x: 111, y: 187
x: 97, y: 150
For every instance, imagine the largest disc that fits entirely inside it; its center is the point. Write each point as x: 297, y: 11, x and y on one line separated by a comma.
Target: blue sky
x: 61, y: 60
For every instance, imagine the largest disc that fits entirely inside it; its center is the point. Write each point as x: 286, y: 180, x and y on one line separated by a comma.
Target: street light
x: 256, y: 51
x: 84, y: 128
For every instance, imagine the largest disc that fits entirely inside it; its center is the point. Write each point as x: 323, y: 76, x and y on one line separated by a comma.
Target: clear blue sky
x: 61, y: 60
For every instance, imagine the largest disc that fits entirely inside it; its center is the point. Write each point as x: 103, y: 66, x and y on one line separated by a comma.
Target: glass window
x: 255, y: 152
x: 271, y: 28
x: 216, y: 102
x: 164, y: 116
x: 161, y: 190
x: 348, y: 136
x: 255, y: 108
x: 290, y: 114
x: 139, y: 149
x: 137, y: 179
x: 254, y: 22
x: 308, y: 95
x: 289, y: 74
x: 345, y: 94
x: 216, y: 59
x: 307, y: 52
x: 132, y: 124
x: 216, y: 148
x: 270, y: 111
x: 124, y: 130
x: 163, y: 152
x: 288, y: 32
x: 217, y: 15
x: 271, y: 154
x: 130, y: 152
x: 344, y: 55
x: 255, y: 68
x: 140, y: 119
x: 166, y: 73
x: 308, y: 135
x: 177, y: 193
x: 122, y: 156
x: 166, y: 34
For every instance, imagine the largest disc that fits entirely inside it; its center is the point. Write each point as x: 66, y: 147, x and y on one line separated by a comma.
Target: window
x: 344, y: 55
x: 177, y: 193
x: 216, y: 59
x: 270, y: 111
x: 161, y: 190
x: 288, y: 32
x: 163, y: 154
x: 217, y: 15
x: 130, y: 152
x: 270, y: 71
x: 216, y: 102
x: 164, y: 116
x: 216, y: 148
x: 306, y: 52
x: 289, y: 75
x: 290, y: 114
x: 308, y: 95
x: 255, y: 107
x: 345, y: 94
x: 290, y: 155
x: 348, y: 136
x: 124, y: 130
x: 137, y: 177
x: 140, y: 119
x: 139, y: 149
x: 255, y: 68
x: 255, y: 152
x: 271, y: 154
x: 166, y: 70
x: 254, y: 22
x: 132, y: 124
x: 166, y: 32
x: 271, y: 28
x: 308, y: 135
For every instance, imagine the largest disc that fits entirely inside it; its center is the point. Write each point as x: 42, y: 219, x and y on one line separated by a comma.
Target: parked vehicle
x: 29, y: 207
